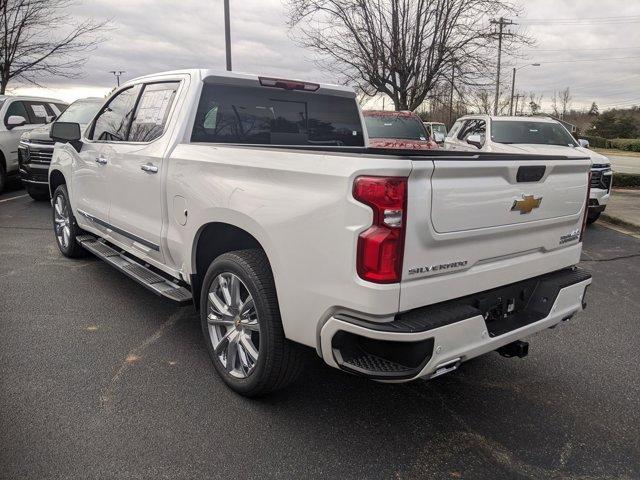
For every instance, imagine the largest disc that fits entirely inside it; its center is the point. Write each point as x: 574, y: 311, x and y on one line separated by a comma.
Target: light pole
x: 513, y: 83
x: 117, y: 74
x: 227, y: 34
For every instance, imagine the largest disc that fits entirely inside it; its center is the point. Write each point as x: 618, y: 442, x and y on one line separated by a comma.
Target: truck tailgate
x: 474, y: 224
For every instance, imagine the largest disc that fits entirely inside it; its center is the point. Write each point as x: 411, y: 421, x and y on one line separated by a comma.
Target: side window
x: 465, y: 129
x: 38, y: 112
x: 57, y: 108
x: 152, y: 111
x: 112, y: 123
x: 17, y: 108
x: 473, y: 127
x: 454, y: 130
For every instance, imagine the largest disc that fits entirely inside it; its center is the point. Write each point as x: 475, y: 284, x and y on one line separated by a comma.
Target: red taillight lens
x: 586, y: 208
x: 380, y: 247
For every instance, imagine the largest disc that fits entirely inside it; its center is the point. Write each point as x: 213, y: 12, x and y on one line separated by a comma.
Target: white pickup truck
x: 259, y: 200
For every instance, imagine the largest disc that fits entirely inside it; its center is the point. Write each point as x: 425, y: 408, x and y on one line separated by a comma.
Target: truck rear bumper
x: 435, y: 340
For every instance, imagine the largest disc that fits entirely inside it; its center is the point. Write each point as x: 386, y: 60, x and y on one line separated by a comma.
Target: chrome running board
x: 146, y: 277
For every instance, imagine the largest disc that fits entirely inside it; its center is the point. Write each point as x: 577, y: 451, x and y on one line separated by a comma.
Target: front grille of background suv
x: 36, y: 151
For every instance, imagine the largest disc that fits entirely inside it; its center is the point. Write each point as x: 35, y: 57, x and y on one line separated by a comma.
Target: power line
x: 578, y: 49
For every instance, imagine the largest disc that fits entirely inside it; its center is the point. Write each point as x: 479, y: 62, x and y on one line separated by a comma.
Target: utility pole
x: 117, y: 74
x: 501, y: 22
x: 227, y: 34
x: 453, y: 76
x: 513, y: 85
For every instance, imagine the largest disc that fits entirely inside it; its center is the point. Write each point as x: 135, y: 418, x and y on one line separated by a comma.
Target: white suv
x: 18, y: 115
x: 534, y: 135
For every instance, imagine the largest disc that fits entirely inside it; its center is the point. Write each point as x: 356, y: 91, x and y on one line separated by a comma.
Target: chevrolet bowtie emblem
x: 527, y: 204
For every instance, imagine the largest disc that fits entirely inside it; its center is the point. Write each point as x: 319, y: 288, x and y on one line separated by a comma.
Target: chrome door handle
x: 148, y: 167
x: 101, y: 160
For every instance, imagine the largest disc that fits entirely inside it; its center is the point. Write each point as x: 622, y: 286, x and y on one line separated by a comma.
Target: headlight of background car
x: 23, y: 153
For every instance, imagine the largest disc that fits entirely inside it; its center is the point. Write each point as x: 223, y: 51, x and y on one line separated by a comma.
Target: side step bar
x: 138, y: 272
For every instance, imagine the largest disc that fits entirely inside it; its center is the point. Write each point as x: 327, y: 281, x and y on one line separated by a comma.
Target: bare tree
x: 401, y: 48
x: 554, y: 104
x: 38, y: 38
x: 535, y: 103
x: 483, y: 102
x: 565, y: 101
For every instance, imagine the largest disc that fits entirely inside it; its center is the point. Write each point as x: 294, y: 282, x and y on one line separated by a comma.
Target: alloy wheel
x: 62, y: 221
x: 234, y: 326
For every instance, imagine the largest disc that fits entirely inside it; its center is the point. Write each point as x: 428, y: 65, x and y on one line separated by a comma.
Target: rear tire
x: 3, y: 177
x: 592, y: 217
x: 246, y: 344
x: 65, y: 227
x: 38, y: 194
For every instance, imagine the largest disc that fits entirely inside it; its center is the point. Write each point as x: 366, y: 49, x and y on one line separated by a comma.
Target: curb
x: 634, y: 227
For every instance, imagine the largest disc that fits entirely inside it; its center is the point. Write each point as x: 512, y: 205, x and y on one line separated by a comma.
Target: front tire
x: 3, y: 177
x: 592, y: 217
x: 65, y: 228
x: 241, y: 324
x: 38, y: 194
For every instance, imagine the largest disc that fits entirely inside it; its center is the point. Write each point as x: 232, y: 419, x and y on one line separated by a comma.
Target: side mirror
x: 438, y: 137
x: 66, y: 132
x: 583, y: 143
x: 475, y: 140
x: 16, y: 121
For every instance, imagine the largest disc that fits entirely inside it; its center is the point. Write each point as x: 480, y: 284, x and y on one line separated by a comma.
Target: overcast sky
x: 151, y: 35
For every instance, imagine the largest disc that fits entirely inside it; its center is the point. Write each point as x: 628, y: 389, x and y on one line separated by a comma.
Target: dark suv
x: 36, y: 147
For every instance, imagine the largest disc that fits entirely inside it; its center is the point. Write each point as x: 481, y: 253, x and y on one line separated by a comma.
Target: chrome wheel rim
x: 62, y: 222
x: 234, y: 327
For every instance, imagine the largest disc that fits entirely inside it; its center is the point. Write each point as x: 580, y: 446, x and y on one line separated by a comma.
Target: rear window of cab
x: 273, y: 116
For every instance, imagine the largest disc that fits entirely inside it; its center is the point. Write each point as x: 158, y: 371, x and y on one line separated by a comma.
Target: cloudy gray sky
x: 592, y: 46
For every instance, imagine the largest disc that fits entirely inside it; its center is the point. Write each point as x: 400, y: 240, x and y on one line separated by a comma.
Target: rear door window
x: 152, y: 111
x: 270, y: 116
x: 38, y: 112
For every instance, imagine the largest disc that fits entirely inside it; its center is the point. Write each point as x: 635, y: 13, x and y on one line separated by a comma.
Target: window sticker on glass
x: 39, y: 111
x: 153, y: 106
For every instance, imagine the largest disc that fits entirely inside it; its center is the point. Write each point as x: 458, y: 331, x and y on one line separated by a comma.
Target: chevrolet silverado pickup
x: 259, y: 200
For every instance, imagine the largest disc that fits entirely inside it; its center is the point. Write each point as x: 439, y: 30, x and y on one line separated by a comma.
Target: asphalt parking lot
x: 101, y: 379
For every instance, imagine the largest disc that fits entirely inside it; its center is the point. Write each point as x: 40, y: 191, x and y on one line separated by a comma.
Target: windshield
x: 80, y: 112
x: 386, y: 126
x: 539, y: 133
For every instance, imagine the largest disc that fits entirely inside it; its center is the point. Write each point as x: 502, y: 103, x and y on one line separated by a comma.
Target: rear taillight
x: 586, y: 208
x: 380, y: 247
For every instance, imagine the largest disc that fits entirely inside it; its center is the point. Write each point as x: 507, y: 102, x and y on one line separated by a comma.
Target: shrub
x: 626, y: 180
x: 628, y: 144
x: 596, y: 142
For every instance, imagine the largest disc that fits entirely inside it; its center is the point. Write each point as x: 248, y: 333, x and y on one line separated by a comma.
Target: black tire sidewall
x: 73, y: 249
x: 228, y: 263
x: 3, y: 177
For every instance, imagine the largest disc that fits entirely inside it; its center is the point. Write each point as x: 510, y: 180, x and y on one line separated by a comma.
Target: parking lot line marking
x: 13, y: 198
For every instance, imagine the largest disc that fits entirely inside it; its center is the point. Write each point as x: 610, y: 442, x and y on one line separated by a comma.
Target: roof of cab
x: 234, y: 78
x: 29, y: 97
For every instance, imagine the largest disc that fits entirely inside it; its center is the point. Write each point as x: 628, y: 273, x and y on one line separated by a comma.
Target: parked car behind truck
x: 259, y: 200
x: 20, y: 114
x: 36, y: 147
x: 399, y: 130
x: 541, y: 135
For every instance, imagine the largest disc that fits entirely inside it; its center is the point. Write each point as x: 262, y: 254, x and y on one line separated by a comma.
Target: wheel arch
x: 212, y: 240
x: 56, y: 178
